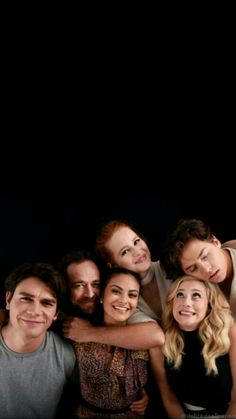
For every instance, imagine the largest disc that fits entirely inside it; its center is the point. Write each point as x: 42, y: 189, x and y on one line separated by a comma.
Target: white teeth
x: 186, y: 313
x: 120, y: 308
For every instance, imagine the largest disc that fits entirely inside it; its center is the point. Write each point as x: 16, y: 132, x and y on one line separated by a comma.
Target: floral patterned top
x: 110, y: 377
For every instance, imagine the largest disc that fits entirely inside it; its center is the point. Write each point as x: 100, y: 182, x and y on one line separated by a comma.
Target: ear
x: 56, y: 315
x: 8, y: 299
x: 216, y: 242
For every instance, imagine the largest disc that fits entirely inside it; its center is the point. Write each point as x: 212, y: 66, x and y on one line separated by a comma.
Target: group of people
x: 175, y: 316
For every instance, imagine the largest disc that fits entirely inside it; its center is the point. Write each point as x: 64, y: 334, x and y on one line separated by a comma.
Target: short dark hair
x: 185, y: 230
x: 110, y: 273
x: 45, y: 272
x: 76, y: 256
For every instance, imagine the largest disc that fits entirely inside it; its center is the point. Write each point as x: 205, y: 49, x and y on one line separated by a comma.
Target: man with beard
x: 82, y: 275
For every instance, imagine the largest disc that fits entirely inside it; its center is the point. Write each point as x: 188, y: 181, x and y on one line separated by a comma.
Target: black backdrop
x: 43, y: 226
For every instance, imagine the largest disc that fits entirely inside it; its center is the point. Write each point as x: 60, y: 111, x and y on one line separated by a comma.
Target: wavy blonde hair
x: 213, y: 331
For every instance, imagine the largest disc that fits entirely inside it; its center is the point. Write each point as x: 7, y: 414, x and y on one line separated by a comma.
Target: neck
x: 20, y: 343
x: 148, y: 276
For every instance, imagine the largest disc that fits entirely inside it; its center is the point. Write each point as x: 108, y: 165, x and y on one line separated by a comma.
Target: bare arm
x: 133, y: 336
x: 231, y: 412
x: 170, y: 401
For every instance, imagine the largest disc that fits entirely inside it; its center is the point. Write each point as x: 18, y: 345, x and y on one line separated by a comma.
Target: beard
x: 79, y: 309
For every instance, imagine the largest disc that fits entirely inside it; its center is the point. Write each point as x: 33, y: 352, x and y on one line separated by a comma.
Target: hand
x: 139, y: 406
x: 76, y: 329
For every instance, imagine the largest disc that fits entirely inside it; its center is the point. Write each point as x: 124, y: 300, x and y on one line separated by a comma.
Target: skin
x: 144, y: 335
x: 32, y: 309
x: 190, y: 304
x: 129, y: 251
x: 190, y: 307
x: 84, y: 280
x: 84, y: 284
x: 120, y: 299
x: 206, y: 260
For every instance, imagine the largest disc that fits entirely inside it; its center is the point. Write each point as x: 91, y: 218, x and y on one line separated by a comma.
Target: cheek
x: 75, y: 294
x: 134, y: 303
x: 96, y: 292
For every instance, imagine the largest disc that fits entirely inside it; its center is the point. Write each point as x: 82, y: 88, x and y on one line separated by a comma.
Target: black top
x: 191, y: 384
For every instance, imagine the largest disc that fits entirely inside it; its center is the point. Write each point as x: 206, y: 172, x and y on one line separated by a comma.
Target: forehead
x: 124, y: 281
x: 121, y: 237
x: 193, y: 249
x: 192, y: 284
x: 85, y: 271
x: 34, y: 286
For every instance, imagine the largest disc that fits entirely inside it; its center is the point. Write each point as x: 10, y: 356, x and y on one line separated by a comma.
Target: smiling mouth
x: 186, y: 313
x: 31, y: 321
x: 121, y: 309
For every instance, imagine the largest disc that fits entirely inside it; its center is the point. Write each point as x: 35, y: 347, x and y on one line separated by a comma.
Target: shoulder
x: 229, y: 243
x: 59, y: 343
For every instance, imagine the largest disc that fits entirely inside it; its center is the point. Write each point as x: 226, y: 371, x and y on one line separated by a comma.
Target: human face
x: 130, y: 251
x: 120, y: 299
x: 190, y: 304
x: 205, y: 260
x: 84, y: 284
x: 32, y: 308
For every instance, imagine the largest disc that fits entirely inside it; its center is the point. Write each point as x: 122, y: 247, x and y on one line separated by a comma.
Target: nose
x: 135, y: 252
x: 187, y: 300
x: 89, y: 292
x: 124, y: 299
x: 34, y: 309
x: 205, y: 268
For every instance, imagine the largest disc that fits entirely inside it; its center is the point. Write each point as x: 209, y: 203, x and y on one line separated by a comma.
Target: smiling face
x: 32, y: 308
x: 190, y: 304
x: 84, y: 284
x: 120, y: 299
x: 129, y: 251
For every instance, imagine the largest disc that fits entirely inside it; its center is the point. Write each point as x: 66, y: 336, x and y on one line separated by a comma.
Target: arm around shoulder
x: 144, y: 335
x: 133, y: 336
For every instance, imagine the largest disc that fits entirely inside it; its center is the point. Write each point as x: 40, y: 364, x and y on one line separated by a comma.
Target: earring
x: 101, y: 301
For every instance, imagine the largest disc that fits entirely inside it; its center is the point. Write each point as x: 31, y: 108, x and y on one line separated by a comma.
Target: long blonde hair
x: 213, y: 331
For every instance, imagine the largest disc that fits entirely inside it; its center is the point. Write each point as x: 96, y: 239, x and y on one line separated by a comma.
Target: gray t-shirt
x: 31, y: 384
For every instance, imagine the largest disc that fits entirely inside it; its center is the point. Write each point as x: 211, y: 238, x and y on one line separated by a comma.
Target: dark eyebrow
x: 27, y: 294
x: 117, y: 286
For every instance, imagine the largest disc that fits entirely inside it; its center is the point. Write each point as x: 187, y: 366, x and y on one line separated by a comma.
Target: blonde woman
x: 196, y: 368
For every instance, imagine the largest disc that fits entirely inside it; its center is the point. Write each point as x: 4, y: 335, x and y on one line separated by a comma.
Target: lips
x: 121, y: 309
x: 186, y: 313
x: 214, y: 276
x: 142, y: 259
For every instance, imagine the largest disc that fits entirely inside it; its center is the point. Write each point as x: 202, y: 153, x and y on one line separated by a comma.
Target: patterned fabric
x: 84, y: 413
x: 110, y: 377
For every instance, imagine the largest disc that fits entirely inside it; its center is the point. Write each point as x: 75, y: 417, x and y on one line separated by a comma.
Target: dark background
x: 42, y: 224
